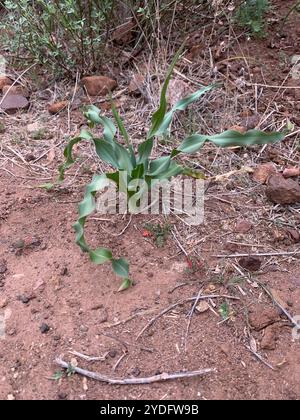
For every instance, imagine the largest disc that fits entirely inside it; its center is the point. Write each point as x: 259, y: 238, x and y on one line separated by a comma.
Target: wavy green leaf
x: 121, y: 267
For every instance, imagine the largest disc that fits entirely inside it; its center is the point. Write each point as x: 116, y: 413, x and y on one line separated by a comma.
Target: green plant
x: 134, y: 170
x: 251, y: 15
x: 159, y: 232
x: 67, y: 35
x: 224, y: 311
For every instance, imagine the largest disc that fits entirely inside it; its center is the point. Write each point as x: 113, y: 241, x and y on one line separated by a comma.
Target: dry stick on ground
x: 90, y: 358
x: 267, y: 254
x: 287, y: 314
x: 190, y: 317
x: 259, y: 357
x: 166, y: 310
x: 133, y: 381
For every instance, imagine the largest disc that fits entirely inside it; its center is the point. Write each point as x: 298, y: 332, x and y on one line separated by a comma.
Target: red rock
x: 15, y: 90
x: 124, y: 33
x: 270, y: 337
x: 283, y: 191
x: 13, y: 103
x: 98, y: 85
x: 57, y: 107
x: 136, y: 83
x: 243, y: 226
x: 263, y: 172
x: 291, y: 172
x: 238, y: 128
x: 260, y: 316
x: 294, y: 234
x: 4, y: 80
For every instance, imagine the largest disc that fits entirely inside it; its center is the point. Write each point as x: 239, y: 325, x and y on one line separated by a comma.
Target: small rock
x: 98, y: 85
x: 202, y: 307
x: 62, y: 396
x: 15, y: 90
x: 3, y: 266
x: 11, y: 397
x: 13, y: 103
x: 243, y: 226
x: 32, y: 128
x: 294, y: 234
x: 136, y: 84
x: 250, y: 263
x: 83, y: 328
x: 270, y: 337
x: 103, y: 316
x: 44, y: 328
x: 19, y: 244
x: 291, y: 172
x: 64, y: 271
x: 260, y: 317
x: 26, y: 298
x: 238, y: 128
x: 57, y: 107
x: 263, y: 172
x: 97, y: 306
x: 12, y: 332
x: 112, y: 353
x: 5, y: 81
x: 3, y: 303
x: 283, y: 191
x: 135, y: 372
x: 226, y: 348
x: 124, y: 33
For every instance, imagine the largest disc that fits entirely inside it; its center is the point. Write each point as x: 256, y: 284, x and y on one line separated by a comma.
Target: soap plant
x: 137, y: 163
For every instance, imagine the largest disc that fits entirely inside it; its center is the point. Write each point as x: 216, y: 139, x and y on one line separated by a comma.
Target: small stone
x: 238, y: 128
x: 57, y: 107
x: 103, y: 316
x: 83, y: 328
x: 283, y: 191
x: 3, y: 266
x: 64, y: 271
x: 268, y: 341
x: 202, y: 307
x: 98, y: 85
x: 44, y: 328
x: 243, y: 226
x: 11, y: 397
x: 135, y: 372
x: 260, y: 317
x: 32, y: 128
x: 263, y: 172
x: 112, y: 353
x: 25, y: 298
x: 15, y: 90
x: 136, y: 84
x: 291, y: 172
x: 13, y: 103
x: 5, y: 81
x: 3, y: 303
x: 62, y: 396
x: 124, y: 33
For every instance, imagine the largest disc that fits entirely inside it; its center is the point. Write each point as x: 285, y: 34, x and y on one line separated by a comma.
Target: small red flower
x: 146, y: 233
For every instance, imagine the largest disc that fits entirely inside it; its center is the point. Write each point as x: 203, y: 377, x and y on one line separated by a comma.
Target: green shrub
x: 137, y: 165
x: 67, y: 35
x: 251, y: 16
